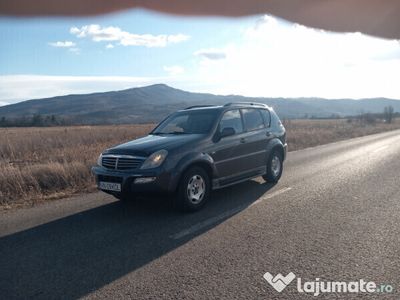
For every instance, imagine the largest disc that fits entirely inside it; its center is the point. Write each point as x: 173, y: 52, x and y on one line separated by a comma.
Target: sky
x: 260, y: 56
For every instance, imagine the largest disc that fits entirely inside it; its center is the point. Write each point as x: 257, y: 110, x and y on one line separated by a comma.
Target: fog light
x: 144, y: 180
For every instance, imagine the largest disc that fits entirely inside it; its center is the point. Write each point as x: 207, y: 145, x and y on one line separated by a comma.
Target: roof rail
x: 199, y: 106
x: 246, y: 103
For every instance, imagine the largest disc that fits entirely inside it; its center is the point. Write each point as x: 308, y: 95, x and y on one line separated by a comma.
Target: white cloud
x: 174, y: 70
x: 76, y: 31
x: 100, y: 34
x: 75, y: 50
x: 109, y: 46
x: 15, y: 88
x: 177, y: 38
x: 279, y: 59
x: 62, y: 44
x: 213, y: 54
x: 287, y: 39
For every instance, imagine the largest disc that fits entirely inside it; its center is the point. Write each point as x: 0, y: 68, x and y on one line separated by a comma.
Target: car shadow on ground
x: 78, y: 254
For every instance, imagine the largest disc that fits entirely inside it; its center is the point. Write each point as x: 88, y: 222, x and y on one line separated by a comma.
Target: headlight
x: 99, y: 160
x: 155, y: 160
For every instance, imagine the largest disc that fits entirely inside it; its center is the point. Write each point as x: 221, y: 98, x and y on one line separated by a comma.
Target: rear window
x: 252, y: 119
x: 267, y: 117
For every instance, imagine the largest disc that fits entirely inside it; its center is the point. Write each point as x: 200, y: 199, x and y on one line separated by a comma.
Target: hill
x: 152, y: 103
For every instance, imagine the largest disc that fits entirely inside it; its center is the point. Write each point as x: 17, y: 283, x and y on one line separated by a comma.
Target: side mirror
x: 227, y: 131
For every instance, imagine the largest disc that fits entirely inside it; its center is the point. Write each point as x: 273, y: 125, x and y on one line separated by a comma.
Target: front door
x: 225, y: 152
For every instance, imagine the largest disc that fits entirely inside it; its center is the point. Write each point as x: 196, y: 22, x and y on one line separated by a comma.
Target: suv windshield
x: 188, y: 122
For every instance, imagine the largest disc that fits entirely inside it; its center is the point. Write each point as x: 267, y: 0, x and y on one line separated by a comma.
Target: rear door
x: 254, y: 144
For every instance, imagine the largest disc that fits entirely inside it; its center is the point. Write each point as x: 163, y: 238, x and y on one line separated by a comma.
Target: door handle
x: 268, y: 133
x: 243, y: 140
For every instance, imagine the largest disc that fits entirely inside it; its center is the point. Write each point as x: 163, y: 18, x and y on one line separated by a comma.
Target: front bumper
x: 160, y: 184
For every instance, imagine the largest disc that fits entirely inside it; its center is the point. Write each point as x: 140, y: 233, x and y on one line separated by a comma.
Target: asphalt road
x: 335, y: 215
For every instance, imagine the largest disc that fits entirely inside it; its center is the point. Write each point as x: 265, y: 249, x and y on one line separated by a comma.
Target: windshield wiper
x: 178, y: 132
x: 171, y: 132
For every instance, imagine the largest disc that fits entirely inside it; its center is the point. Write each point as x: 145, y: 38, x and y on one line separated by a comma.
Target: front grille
x: 121, y: 162
x: 109, y: 162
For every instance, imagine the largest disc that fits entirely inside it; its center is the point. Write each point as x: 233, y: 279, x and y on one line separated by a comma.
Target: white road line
x: 380, y: 149
x: 269, y: 196
x: 222, y: 216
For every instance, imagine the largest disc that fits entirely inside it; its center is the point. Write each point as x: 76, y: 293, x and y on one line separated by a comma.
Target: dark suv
x: 196, y: 150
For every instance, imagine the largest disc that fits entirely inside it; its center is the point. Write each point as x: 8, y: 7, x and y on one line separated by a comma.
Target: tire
x: 274, y: 167
x: 193, y: 190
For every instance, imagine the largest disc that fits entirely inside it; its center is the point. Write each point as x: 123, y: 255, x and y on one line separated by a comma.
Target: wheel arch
x: 202, y: 160
x: 275, y: 145
x: 278, y: 148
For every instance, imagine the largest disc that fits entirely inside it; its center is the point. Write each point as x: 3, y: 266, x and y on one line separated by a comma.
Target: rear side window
x: 231, y: 118
x: 252, y: 119
x: 276, y: 122
x: 267, y: 117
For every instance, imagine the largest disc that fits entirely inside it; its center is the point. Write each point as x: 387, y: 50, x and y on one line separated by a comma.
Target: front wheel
x: 274, y: 167
x: 193, y: 190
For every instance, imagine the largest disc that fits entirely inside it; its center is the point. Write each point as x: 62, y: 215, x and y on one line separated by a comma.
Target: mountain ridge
x: 152, y: 103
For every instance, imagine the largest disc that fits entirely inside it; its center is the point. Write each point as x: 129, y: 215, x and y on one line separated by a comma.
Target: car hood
x: 151, y: 143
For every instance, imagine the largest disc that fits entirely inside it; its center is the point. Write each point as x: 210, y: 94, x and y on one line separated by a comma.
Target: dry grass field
x: 43, y: 163
x: 38, y: 164
x: 309, y: 133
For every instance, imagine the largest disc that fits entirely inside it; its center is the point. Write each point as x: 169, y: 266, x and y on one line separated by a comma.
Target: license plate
x: 110, y: 186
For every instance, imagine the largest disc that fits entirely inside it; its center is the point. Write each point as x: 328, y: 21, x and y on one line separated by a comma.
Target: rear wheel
x: 194, y: 189
x: 274, y: 167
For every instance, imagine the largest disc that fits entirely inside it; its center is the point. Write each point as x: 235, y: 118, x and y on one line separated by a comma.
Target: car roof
x: 229, y: 105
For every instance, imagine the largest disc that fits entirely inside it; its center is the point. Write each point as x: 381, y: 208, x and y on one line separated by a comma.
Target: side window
x: 252, y: 119
x: 275, y: 121
x: 267, y: 117
x: 231, y: 118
